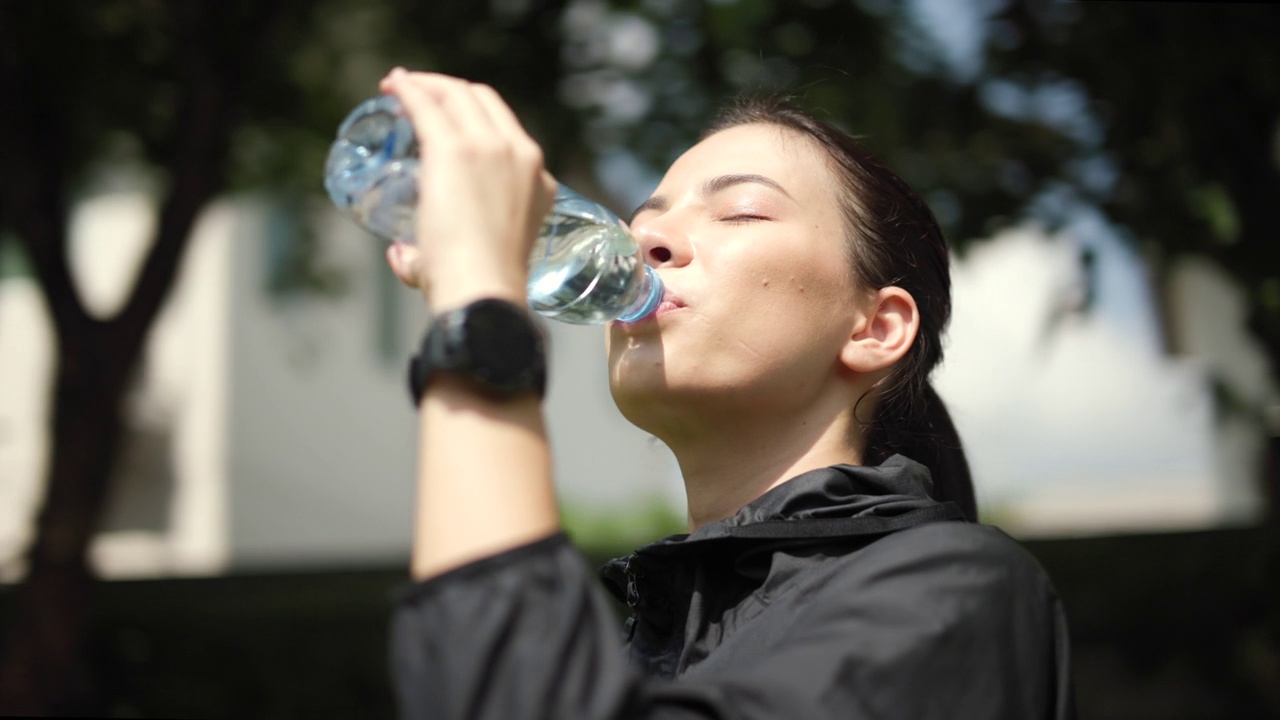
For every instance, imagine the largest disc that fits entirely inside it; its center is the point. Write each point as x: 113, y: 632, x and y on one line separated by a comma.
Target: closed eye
x: 743, y: 218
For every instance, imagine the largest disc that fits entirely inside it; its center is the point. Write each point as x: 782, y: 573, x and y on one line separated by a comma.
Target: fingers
x: 483, y: 189
x: 549, y: 184
x: 458, y: 100
x: 500, y: 115
x: 424, y: 104
x: 452, y: 112
x: 505, y: 121
x: 473, y: 111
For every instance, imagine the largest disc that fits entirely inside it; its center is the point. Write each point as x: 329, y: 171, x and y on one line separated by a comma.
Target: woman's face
x: 747, y: 234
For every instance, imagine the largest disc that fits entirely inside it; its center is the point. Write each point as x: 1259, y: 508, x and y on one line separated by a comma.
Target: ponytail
x: 924, y: 432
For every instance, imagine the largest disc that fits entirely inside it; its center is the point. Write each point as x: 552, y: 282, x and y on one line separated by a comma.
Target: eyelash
x: 737, y: 219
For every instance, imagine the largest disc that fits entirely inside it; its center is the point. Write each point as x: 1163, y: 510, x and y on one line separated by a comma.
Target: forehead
x: 779, y: 153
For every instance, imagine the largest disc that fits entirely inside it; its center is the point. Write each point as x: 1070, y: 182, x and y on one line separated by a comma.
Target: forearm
x: 484, y: 475
x: 484, y: 466
x: 484, y: 478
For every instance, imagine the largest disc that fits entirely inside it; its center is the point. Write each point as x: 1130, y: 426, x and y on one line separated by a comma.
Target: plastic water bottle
x: 585, y: 267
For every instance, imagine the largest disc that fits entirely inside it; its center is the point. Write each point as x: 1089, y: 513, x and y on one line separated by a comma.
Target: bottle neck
x: 648, y: 299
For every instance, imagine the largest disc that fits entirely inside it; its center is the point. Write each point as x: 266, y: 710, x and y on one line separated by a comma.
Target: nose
x: 662, y: 244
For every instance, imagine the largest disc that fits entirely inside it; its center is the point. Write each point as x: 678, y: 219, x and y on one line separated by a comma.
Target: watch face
x: 492, y: 343
x: 505, y: 346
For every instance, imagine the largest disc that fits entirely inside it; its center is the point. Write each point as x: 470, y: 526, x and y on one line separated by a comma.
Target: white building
x: 1081, y: 422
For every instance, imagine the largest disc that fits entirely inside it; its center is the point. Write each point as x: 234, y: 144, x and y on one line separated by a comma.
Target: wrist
x: 452, y: 297
x: 456, y: 285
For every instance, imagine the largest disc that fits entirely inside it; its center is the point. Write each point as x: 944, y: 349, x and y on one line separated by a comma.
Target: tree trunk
x: 42, y: 666
x: 41, y: 670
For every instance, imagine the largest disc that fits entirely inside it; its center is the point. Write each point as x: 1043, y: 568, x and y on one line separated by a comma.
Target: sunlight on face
x: 746, y: 232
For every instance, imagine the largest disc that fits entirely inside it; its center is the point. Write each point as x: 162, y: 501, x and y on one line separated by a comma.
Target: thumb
x: 405, y: 262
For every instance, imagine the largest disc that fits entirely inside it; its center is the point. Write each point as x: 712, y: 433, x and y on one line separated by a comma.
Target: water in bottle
x: 585, y: 268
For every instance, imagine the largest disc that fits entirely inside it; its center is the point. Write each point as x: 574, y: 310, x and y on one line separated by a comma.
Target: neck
x: 735, y: 463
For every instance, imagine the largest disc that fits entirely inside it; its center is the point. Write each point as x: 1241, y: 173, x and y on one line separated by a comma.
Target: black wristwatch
x: 494, y: 344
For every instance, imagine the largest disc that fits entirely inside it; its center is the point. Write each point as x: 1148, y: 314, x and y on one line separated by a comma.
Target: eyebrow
x: 710, y: 187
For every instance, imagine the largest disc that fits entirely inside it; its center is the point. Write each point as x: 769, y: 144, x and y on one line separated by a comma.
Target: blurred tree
x: 207, y: 96
x: 74, y: 75
x: 864, y: 65
x: 1187, y: 102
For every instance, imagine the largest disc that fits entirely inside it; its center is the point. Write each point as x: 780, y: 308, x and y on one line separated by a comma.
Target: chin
x: 661, y: 417
x: 639, y: 409
x: 640, y: 390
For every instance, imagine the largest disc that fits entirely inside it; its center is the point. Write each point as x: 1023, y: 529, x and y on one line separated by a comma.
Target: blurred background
x: 206, y: 451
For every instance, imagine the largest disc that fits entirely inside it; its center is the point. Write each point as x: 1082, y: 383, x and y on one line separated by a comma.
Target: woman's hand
x: 483, y: 192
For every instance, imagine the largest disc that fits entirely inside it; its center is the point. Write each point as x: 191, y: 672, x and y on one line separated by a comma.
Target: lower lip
x: 665, y: 307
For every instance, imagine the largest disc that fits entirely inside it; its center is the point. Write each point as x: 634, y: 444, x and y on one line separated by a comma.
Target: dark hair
x: 894, y: 240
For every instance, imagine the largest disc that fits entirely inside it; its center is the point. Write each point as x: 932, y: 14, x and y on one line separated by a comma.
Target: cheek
x: 794, y: 289
x: 769, y: 320
x: 790, y: 313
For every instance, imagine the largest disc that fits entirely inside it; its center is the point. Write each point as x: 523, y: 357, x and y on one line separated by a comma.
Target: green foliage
x: 1188, y: 101
x: 615, y: 531
x: 13, y: 261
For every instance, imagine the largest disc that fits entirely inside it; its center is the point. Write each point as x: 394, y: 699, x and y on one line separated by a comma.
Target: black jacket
x: 843, y: 593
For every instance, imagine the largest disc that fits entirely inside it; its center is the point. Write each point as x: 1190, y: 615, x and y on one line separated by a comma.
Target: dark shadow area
x: 1165, y: 626
x: 1168, y: 626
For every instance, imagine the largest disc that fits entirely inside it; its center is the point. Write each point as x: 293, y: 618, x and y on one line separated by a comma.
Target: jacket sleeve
x: 900, y: 634
x: 522, y: 634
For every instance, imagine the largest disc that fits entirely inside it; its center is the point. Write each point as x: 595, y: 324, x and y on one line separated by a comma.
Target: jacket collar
x: 896, y: 486
x: 838, y: 501
x: 819, y: 506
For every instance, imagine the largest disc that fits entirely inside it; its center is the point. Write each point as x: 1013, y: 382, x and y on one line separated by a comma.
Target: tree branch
x: 217, y: 50
x: 33, y: 140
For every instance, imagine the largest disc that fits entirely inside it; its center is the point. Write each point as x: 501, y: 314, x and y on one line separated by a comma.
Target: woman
x: 826, y: 573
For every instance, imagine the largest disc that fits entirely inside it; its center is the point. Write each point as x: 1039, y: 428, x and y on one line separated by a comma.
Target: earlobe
x: 886, y: 330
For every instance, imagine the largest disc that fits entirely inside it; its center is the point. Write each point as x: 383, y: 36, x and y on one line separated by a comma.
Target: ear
x: 885, y: 331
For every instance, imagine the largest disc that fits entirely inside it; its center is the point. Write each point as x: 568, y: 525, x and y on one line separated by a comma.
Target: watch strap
x: 493, y: 344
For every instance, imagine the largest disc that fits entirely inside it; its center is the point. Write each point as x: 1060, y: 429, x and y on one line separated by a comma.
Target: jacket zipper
x: 633, y: 599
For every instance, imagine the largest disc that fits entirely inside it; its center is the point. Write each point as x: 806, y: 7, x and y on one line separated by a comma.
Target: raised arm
x: 484, y: 469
